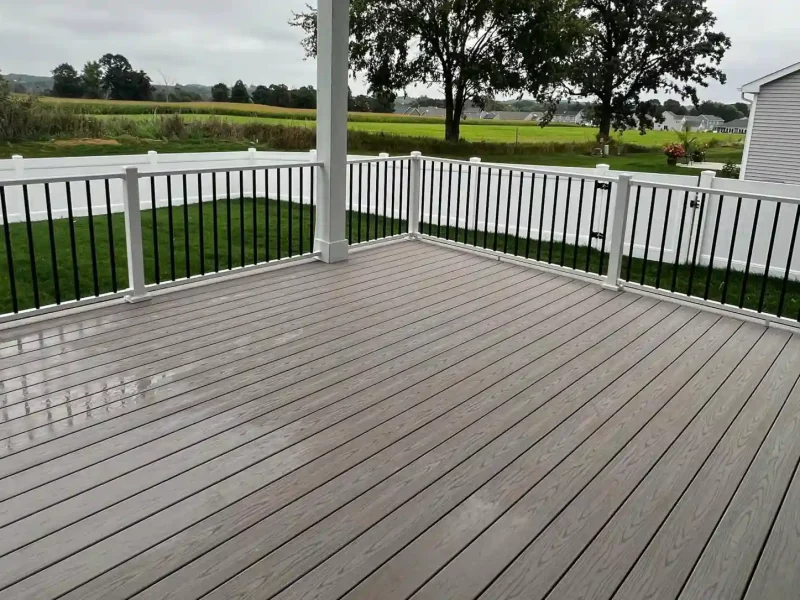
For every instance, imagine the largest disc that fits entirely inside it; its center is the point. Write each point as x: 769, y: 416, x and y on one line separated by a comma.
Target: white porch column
x: 333, y: 48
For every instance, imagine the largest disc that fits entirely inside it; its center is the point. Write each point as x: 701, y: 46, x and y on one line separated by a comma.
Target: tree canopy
x: 472, y: 49
x: 92, y: 77
x: 631, y: 48
x: 220, y: 93
x: 239, y: 93
x: 66, y: 81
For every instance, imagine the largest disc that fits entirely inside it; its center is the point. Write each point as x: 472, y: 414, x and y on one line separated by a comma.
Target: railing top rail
x: 524, y: 169
x: 714, y: 191
x: 242, y: 166
x: 16, y: 181
x: 376, y: 159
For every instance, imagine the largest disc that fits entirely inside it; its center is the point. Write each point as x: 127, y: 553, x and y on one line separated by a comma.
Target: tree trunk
x: 452, y: 119
x: 605, y: 124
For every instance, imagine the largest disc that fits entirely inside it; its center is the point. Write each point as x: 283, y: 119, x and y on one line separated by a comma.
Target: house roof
x: 569, y: 112
x: 712, y: 118
x: 510, y: 115
x: 754, y: 87
x: 737, y: 123
x: 693, y: 120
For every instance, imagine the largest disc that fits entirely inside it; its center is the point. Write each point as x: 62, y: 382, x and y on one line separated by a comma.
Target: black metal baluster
x: 508, y: 210
x: 605, y: 230
x: 214, y: 219
x: 633, y: 230
x: 255, y: 216
x: 519, y: 212
x: 769, y: 257
x: 488, y: 201
x: 553, y: 222
x: 422, y: 197
x: 110, y: 224
x: 578, y: 227
x: 541, y: 219
x: 566, y: 222
x: 663, y: 239
x: 92, y: 242
x: 300, y: 219
x: 497, y: 207
x: 242, y: 217
x: 291, y: 220
x: 76, y: 282
x: 12, y: 282
x: 266, y: 215
x: 53, y: 259
x: 229, y: 224
x: 350, y: 214
x: 154, y: 212
x: 408, y: 193
x: 591, y: 227
x: 32, y: 253
x: 369, y: 200
x: 385, y: 194
x: 360, y: 180
x: 467, y: 201
x: 171, y: 229
x: 643, y: 275
x: 458, y: 201
x: 477, y: 207
x: 439, y: 200
x: 394, y: 191
x: 710, y: 269
x: 449, y: 200
x: 680, y: 241
x: 750, y: 254
x: 696, y: 246
x: 530, y: 216
x: 201, y: 222
x: 789, y: 261
x: 186, y: 257
x: 278, y: 215
x: 730, y: 255
x: 311, y: 232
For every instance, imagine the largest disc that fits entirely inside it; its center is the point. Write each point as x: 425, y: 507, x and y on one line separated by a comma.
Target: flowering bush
x: 675, y: 151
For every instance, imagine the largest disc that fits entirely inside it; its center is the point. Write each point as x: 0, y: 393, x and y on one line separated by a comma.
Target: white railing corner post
x: 618, y: 223
x: 133, y: 236
x: 152, y: 156
x: 251, y: 154
x: 415, y: 194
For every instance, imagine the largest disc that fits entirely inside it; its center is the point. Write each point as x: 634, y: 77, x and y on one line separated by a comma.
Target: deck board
x: 418, y: 422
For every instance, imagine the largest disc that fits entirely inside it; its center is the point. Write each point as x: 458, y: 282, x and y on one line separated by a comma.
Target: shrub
x: 730, y: 171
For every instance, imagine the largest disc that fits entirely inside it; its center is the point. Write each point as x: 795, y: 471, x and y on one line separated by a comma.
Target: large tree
x: 66, y: 82
x: 471, y: 49
x: 634, y: 48
x: 92, y: 77
x: 220, y: 93
x: 239, y: 93
x: 121, y: 82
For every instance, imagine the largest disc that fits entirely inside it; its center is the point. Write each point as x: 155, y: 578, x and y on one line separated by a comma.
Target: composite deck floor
x: 417, y: 423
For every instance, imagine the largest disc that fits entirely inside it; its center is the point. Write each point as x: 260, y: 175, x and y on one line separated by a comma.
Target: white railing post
x: 472, y: 199
x: 698, y: 233
x: 152, y: 156
x: 133, y: 236
x: 18, y: 201
x: 618, y: 224
x: 333, y: 47
x: 414, y: 196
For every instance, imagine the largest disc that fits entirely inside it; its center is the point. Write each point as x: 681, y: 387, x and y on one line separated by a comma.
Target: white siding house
x: 772, y: 148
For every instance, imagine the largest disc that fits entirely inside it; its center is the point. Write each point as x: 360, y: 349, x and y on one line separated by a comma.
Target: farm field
x: 524, y: 133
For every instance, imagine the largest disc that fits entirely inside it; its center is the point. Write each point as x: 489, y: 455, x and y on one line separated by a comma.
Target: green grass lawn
x: 243, y: 243
x: 524, y: 133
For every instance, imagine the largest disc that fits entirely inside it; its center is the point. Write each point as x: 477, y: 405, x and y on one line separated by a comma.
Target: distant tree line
x: 111, y: 77
x: 303, y: 97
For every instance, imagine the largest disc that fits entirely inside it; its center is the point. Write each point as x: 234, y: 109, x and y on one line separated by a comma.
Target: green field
x: 524, y: 133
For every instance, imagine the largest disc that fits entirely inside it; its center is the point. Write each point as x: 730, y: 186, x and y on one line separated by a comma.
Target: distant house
x: 569, y: 115
x: 508, y: 115
x: 735, y: 126
x: 772, y: 146
x: 673, y: 122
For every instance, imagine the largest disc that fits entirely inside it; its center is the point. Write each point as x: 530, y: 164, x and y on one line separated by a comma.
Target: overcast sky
x: 206, y: 41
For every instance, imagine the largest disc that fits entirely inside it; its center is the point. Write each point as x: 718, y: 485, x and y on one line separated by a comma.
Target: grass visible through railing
x: 254, y: 246
x: 754, y: 291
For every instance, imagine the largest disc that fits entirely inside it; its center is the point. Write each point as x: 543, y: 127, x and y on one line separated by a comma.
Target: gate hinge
x: 597, y: 235
x: 603, y: 185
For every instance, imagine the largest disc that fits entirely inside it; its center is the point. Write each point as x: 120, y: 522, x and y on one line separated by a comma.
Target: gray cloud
x: 205, y: 41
